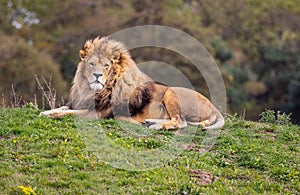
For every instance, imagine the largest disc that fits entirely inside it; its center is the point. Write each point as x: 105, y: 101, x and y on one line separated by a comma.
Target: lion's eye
x: 92, y: 64
x: 106, y: 66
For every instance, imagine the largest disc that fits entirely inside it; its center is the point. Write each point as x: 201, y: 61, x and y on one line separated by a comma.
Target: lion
x: 108, y: 84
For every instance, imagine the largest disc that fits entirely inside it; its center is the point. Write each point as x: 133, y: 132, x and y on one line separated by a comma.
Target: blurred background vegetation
x: 255, y: 43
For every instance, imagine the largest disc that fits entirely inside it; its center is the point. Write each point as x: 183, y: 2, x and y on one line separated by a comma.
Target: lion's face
x: 97, y: 71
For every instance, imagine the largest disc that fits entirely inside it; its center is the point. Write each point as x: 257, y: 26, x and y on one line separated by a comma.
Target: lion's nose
x: 97, y: 75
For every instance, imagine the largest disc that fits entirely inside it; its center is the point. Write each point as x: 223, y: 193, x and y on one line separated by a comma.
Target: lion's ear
x: 82, y: 54
x: 86, y: 48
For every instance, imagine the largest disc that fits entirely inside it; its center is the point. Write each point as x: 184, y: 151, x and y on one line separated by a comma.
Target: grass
x: 68, y: 156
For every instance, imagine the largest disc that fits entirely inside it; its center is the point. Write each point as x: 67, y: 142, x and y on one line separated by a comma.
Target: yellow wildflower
x: 27, y: 190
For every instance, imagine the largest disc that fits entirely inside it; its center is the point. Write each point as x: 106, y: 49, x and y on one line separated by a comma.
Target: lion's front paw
x: 148, y: 123
x: 55, y: 113
x: 170, y: 125
x: 156, y: 126
x: 51, y: 113
x: 154, y: 123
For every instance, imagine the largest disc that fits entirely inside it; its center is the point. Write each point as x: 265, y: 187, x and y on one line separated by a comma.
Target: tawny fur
x: 128, y: 94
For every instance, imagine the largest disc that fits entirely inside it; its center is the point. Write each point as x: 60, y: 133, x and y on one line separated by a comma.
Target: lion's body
x: 180, y: 104
x: 109, y: 84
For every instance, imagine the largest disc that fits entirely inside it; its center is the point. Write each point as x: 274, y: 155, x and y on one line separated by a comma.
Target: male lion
x: 109, y: 84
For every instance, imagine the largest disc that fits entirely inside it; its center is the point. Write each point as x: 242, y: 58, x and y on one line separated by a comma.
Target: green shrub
x: 270, y: 116
x: 283, y: 118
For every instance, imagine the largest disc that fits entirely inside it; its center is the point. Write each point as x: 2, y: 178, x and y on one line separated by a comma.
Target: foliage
x: 294, y: 89
x: 223, y: 53
x: 19, y: 64
x: 52, y: 157
x: 283, y: 118
x: 269, y: 116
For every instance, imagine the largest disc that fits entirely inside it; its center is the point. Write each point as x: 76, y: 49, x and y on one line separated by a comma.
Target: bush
x: 270, y: 116
x: 19, y: 64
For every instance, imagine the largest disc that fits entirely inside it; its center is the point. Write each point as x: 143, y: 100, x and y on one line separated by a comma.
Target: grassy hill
x: 43, y: 156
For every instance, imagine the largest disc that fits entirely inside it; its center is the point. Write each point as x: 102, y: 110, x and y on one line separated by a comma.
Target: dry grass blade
x: 17, y: 100
x: 48, y: 92
x: 3, y: 104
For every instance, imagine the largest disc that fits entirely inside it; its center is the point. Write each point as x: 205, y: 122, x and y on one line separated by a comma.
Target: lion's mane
x: 124, y: 77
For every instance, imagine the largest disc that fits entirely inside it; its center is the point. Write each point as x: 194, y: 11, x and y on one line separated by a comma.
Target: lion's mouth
x: 96, y: 85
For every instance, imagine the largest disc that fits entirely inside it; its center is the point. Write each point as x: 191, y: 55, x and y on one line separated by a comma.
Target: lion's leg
x: 154, y: 120
x: 62, y: 112
x: 155, y: 123
x: 126, y: 119
x: 173, y: 108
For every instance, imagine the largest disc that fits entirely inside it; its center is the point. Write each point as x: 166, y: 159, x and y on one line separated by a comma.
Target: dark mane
x: 140, y: 97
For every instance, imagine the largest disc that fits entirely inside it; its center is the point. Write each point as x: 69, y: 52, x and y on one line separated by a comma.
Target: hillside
x: 43, y: 156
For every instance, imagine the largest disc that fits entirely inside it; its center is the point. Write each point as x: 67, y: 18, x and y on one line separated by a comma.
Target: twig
x: 3, y: 105
x: 49, y: 93
x: 35, y: 100
x: 16, y: 99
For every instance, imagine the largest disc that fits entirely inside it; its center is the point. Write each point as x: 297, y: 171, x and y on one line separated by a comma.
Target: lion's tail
x: 217, y: 121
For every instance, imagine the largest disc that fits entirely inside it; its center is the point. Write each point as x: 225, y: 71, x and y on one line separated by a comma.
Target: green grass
x: 68, y: 156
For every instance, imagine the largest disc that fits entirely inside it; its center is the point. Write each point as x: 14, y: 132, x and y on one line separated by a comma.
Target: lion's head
x: 101, y: 59
x: 97, y: 71
x: 105, y: 66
